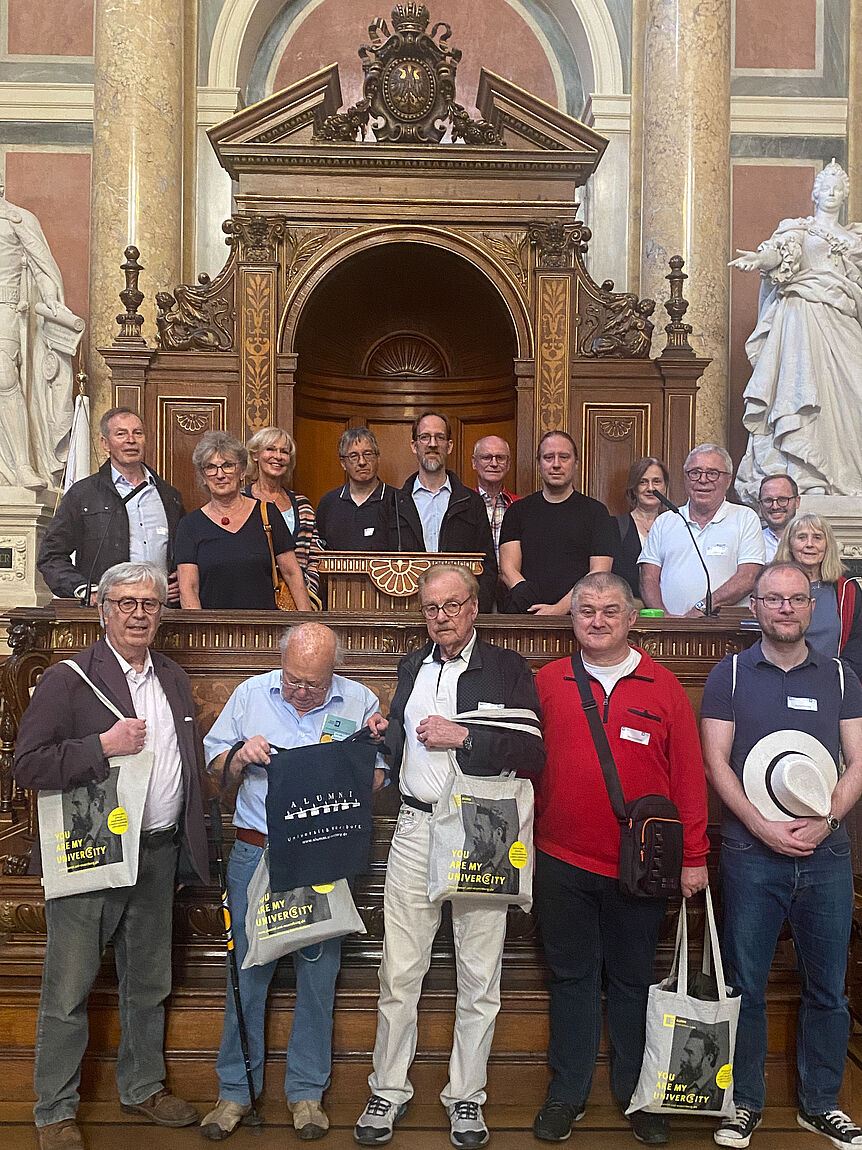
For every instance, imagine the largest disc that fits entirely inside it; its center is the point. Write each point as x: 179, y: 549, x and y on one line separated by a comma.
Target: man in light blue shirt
x: 148, y: 523
x: 303, y: 703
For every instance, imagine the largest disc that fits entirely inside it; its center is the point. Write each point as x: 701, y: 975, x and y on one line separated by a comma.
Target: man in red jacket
x: 586, y: 922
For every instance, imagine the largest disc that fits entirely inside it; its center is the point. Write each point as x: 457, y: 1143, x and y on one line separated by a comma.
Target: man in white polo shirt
x: 728, y: 536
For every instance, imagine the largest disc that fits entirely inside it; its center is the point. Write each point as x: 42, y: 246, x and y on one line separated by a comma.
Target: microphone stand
x: 126, y: 499
x: 709, y: 612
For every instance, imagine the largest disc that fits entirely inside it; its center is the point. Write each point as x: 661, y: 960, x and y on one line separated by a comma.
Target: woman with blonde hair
x: 271, y: 463
x: 836, y: 622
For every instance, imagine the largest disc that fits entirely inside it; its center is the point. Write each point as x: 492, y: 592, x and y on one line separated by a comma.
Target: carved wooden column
x: 686, y: 178
x: 136, y: 187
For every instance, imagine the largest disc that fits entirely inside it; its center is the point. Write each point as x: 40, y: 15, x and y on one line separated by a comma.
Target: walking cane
x: 253, y: 1119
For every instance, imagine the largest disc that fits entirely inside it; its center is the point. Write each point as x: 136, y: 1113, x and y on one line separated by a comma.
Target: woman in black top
x: 646, y: 476
x: 222, y: 553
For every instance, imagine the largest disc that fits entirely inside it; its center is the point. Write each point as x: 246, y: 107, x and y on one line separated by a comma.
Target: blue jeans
x: 138, y: 920
x: 587, y: 924
x: 760, y: 889
x: 309, y: 1051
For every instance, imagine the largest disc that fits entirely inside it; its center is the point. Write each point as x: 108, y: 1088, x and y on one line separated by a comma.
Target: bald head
x: 491, y: 459
x: 309, y: 654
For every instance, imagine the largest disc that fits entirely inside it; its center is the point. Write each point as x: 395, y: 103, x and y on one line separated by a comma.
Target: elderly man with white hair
x: 728, y: 537
x: 66, y: 739
x: 301, y: 703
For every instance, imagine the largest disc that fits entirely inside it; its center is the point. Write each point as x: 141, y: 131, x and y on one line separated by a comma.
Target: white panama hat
x: 790, y: 775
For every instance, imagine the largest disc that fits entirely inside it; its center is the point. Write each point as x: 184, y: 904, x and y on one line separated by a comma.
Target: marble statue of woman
x: 38, y: 337
x: 803, y: 403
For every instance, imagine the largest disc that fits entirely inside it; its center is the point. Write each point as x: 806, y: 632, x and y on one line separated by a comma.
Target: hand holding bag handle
x: 710, y: 947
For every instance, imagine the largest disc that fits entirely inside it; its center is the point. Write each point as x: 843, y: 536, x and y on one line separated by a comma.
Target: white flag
x: 78, y: 462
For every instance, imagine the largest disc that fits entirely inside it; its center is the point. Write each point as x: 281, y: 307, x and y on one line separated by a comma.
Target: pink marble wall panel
x: 55, y: 186
x: 776, y: 34
x: 51, y: 27
x: 763, y: 195
x: 489, y: 33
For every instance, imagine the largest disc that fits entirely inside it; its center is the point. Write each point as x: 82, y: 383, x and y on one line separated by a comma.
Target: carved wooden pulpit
x: 382, y: 582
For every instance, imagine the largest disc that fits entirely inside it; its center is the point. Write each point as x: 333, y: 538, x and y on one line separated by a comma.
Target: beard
x: 432, y: 463
x: 782, y: 635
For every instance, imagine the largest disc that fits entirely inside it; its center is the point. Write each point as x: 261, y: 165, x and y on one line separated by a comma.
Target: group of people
x: 770, y: 869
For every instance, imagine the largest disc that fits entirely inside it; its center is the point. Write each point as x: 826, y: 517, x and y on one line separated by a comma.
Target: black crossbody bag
x: 650, y: 828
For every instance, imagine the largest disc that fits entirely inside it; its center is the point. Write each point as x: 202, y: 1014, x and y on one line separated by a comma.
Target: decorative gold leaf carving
x: 258, y: 352
x: 193, y: 422
x: 300, y: 247
x: 616, y: 428
x: 553, y: 358
x: 512, y: 250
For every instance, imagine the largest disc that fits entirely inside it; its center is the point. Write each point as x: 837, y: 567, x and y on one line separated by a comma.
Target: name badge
x: 634, y: 736
x: 717, y: 549
x: 490, y: 707
x: 336, y: 729
x: 161, y: 531
x: 795, y: 703
x: 368, y: 531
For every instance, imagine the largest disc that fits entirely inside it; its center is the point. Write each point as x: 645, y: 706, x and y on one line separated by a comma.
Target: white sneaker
x: 377, y: 1121
x: 466, y: 1124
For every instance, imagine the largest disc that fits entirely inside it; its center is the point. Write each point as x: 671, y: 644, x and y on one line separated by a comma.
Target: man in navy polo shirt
x: 797, y: 870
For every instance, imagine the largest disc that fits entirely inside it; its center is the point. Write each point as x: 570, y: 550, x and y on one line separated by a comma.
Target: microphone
x: 126, y: 499
x: 665, y: 502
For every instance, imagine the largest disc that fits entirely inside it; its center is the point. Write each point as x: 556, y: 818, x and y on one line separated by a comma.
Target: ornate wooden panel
x: 258, y: 322
x: 552, y: 353
x: 180, y: 424
x: 613, y: 435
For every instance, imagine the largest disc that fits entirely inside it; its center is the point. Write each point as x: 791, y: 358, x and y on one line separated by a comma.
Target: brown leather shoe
x: 163, y: 1108
x: 63, y: 1135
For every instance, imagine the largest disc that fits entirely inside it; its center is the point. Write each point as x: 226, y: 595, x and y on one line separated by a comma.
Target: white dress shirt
x: 148, y: 523
x: 165, y: 793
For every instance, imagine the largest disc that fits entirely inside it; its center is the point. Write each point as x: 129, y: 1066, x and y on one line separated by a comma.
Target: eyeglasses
x: 212, y: 469
x: 776, y: 602
x: 778, y: 501
x: 301, y: 685
x: 451, y: 608
x: 127, y: 605
x: 493, y: 458
x: 426, y: 437
x: 359, y: 456
x: 709, y: 473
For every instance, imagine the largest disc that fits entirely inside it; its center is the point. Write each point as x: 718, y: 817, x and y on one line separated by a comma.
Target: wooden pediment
x: 527, y: 123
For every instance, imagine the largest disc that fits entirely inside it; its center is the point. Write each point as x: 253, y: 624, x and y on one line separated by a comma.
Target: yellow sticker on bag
x: 724, y: 1076
x: 324, y: 888
x: 118, y: 821
x: 518, y: 854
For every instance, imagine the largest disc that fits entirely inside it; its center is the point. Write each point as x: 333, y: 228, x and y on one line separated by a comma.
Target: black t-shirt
x: 235, y: 568
x: 346, y: 526
x: 558, y: 539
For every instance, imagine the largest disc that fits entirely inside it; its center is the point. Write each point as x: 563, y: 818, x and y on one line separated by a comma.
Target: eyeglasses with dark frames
x: 228, y: 468
x: 774, y: 602
x: 127, y: 604
x: 450, y: 608
x: 711, y: 474
x: 359, y: 456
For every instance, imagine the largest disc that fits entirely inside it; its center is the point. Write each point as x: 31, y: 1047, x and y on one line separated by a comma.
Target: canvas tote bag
x: 279, y: 922
x: 481, y: 848
x: 690, y: 1034
x: 90, y: 836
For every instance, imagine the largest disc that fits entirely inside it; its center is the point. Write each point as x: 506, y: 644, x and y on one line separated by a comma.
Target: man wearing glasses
x: 302, y: 703
x: 455, y: 672
x: 491, y: 460
x: 347, y: 517
x: 776, y: 867
x: 434, y: 511
x: 104, y: 519
x: 728, y: 536
x: 779, y: 502
x: 66, y: 738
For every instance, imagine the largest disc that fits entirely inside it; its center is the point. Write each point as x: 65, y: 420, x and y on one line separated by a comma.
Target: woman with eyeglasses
x: 646, y: 476
x: 223, y: 555
x: 271, y: 462
x: 836, y: 622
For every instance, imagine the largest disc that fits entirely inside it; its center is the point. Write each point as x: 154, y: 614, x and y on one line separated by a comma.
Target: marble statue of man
x: 803, y: 403
x: 38, y: 337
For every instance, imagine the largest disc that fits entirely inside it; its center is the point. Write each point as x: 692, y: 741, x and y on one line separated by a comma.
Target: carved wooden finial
x: 676, y: 307
x: 131, y: 321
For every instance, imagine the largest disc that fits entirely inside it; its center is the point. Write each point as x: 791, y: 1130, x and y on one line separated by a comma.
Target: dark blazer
x: 89, y: 510
x: 58, y: 744
x: 493, y: 675
x: 626, y: 559
x: 465, y: 527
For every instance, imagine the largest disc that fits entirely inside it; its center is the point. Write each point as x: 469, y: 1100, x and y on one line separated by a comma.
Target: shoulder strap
x: 99, y: 695
x: 841, y: 675
x: 733, y: 679
x: 268, y: 529
x: 600, y: 739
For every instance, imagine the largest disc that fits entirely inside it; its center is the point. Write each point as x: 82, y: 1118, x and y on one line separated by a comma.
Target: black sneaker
x: 377, y: 1121
x: 737, y: 1131
x: 652, y: 1129
x: 555, y: 1120
x: 840, y: 1129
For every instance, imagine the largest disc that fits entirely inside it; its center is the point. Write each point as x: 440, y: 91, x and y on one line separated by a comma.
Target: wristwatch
x: 467, y: 745
x: 832, y: 822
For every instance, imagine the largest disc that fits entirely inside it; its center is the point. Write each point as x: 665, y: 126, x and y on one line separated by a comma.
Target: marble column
x: 686, y: 180
x: 636, y: 146
x: 854, y: 112
x: 137, y: 176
